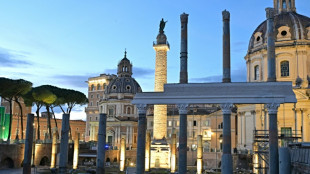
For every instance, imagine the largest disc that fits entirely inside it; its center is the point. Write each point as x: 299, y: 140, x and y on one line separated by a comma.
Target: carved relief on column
x: 142, y: 108
x: 272, y: 108
x: 226, y: 108
x: 183, y: 108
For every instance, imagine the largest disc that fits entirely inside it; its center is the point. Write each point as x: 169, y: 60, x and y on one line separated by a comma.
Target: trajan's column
x: 160, y: 158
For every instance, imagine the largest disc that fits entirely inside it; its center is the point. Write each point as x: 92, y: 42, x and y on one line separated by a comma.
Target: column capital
x: 141, y: 108
x: 226, y: 108
x: 226, y: 15
x: 269, y: 13
x: 184, y: 17
x: 183, y: 108
x: 272, y: 108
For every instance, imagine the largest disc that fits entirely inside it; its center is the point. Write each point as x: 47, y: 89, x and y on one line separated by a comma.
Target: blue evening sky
x: 63, y: 42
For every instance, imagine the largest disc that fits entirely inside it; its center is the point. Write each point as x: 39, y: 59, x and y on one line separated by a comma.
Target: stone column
x: 273, y: 138
x: 63, y: 158
x: 141, y: 138
x: 182, y: 166
x: 183, y: 54
x: 302, y: 125
x: 28, y: 145
x: 123, y: 153
x: 173, y: 153
x: 148, y: 151
x: 199, y: 155
x: 226, y: 46
x: 271, y: 55
x: 102, y: 133
x: 33, y: 148
x: 227, y: 166
x: 295, y: 118
x: 160, y: 111
x: 76, y: 150
x: 54, y: 148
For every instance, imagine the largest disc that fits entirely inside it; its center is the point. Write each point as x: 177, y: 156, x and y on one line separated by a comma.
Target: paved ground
x: 15, y: 171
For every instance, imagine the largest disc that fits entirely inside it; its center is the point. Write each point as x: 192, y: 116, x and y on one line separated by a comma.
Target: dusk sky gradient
x: 62, y: 43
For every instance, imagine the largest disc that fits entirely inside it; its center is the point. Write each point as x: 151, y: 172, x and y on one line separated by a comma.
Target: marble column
x: 183, y: 54
x: 141, y: 138
x: 122, y: 153
x: 199, y: 155
x: 271, y: 55
x: 226, y: 47
x: 182, y: 166
x: 173, y: 153
x: 76, y: 150
x: 227, y: 165
x: 273, y: 138
x: 102, y: 133
x: 54, y: 148
x: 28, y: 145
x: 148, y: 151
x: 63, y: 157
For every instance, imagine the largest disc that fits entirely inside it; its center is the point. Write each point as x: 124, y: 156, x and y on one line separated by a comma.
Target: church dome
x: 124, y: 83
x: 289, y: 26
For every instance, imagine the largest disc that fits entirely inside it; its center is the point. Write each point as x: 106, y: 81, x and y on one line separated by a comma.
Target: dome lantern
x: 284, y: 6
x: 124, y: 67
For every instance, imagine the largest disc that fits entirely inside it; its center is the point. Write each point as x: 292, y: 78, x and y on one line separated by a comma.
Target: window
x: 256, y: 72
x: 169, y: 123
x: 285, y: 69
x: 77, y: 128
x: 89, y: 118
x: 111, y: 112
x: 91, y: 96
x: 128, y: 110
x: 92, y: 87
x: 96, y: 118
x: 208, y: 123
x: 97, y: 103
x: 89, y: 133
x: 194, y: 123
x: 284, y: 4
x: 91, y: 103
x: 98, y: 95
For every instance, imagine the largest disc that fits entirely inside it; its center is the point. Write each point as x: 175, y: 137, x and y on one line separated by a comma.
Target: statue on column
x: 162, y: 25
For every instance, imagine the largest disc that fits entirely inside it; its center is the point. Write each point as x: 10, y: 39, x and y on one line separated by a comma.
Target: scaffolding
x: 261, y: 147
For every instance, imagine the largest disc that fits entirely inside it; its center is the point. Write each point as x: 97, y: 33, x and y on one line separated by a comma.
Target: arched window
x: 92, y: 87
x: 128, y: 110
x: 284, y: 5
x: 256, y: 72
x: 285, y: 69
x: 98, y: 87
x: 126, y: 69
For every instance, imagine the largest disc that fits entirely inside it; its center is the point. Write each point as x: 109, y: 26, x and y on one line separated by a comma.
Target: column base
x: 226, y: 164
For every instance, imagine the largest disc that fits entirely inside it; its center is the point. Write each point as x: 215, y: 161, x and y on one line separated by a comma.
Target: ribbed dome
x: 288, y: 26
x: 123, y: 85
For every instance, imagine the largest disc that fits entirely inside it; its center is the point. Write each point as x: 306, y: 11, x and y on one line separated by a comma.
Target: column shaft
x: 183, y: 54
x: 271, y: 45
x: 226, y: 47
x: 123, y: 153
x: 28, y: 145
x: 76, y: 150
x: 141, y: 143
x: 227, y: 166
x: 147, y: 151
x: 54, y: 149
x: 64, y: 144
x: 173, y: 153
x: 101, y: 143
x: 199, y: 155
x: 183, y: 144
x: 273, y: 139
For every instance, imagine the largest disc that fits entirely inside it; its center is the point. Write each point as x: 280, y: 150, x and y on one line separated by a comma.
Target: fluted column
x: 271, y: 55
x: 101, y: 143
x: 226, y: 46
x: 227, y: 166
x: 28, y: 145
x: 63, y: 157
x: 141, y: 138
x: 183, y: 54
x: 273, y: 138
x: 182, y: 166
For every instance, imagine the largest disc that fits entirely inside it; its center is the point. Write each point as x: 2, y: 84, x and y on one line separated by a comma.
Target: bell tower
x: 284, y: 6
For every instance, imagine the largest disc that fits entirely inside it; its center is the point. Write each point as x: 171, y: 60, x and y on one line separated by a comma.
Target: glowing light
x: 98, y: 81
x: 131, y: 164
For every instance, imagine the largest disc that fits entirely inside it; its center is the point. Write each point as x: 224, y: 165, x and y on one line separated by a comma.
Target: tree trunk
x: 38, y: 120
x: 49, y: 121
x: 21, y: 118
x: 54, y: 117
x: 10, y: 126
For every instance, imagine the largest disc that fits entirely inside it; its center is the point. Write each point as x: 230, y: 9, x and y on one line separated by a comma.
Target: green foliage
x: 10, y: 88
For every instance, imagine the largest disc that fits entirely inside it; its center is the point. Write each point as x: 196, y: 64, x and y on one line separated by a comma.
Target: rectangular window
x: 96, y: 118
x: 111, y: 112
x: 208, y: 123
x: 97, y: 95
x: 91, y: 103
x: 169, y: 123
x: 89, y: 118
x: 97, y: 103
x: 91, y: 96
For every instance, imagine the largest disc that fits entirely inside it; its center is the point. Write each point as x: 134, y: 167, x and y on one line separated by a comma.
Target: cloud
x: 73, y: 80
x: 10, y: 58
x: 238, y: 75
x: 142, y: 72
